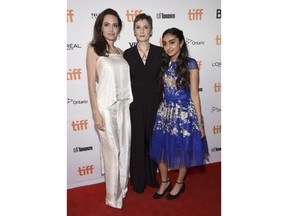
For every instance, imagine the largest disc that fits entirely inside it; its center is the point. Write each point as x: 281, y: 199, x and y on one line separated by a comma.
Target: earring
x: 118, y: 36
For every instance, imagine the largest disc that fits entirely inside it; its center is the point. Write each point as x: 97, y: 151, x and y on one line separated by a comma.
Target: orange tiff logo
x: 160, y: 42
x: 199, y: 63
x: 79, y: 125
x: 217, y: 129
x: 131, y: 14
x: 74, y: 74
x: 217, y: 87
x: 70, y: 14
x: 195, y: 14
x: 85, y: 170
x: 218, y: 39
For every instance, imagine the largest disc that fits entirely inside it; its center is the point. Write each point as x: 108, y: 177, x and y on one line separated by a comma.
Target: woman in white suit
x: 110, y: 100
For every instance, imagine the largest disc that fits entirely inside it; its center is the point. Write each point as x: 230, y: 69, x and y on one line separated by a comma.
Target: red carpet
x: 202, y: 197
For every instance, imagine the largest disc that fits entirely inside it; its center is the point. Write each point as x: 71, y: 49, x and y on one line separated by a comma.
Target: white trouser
x: 115, y: 143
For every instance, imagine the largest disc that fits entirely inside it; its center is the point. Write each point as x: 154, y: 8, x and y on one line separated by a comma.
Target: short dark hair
x: 143, y: 16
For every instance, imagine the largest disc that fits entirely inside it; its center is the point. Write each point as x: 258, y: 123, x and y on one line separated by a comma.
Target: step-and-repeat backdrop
x: 201, y: 23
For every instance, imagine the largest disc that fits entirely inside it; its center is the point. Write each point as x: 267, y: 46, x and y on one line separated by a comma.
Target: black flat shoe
x: 169, y: 188
x: 172, y: 197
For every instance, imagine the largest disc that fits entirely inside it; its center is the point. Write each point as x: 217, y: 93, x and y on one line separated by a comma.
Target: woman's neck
x: 144, y: 45
x: 112, y: 49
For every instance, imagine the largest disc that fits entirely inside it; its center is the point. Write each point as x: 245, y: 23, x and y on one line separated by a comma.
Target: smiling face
x: 110, y: 27
x: 172, y: 45
x: 142, y: 30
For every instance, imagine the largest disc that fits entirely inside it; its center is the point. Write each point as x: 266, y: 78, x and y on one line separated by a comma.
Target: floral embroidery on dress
x: 172, y: 112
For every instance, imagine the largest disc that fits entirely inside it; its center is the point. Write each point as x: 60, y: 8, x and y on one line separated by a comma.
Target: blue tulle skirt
x: 176, y: 138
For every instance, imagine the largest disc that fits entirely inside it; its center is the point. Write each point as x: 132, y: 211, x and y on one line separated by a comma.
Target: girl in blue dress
x: 178, y: 139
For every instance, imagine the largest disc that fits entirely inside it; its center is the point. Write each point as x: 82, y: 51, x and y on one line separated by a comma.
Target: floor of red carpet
x: 202, y: 197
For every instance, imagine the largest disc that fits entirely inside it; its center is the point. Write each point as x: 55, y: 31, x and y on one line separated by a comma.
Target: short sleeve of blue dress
x: 192, y: 64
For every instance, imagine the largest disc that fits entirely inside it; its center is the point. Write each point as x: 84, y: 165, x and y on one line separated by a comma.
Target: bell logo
x: 85, y: 170
x: 217, y: 87
x: 199, y: 63
x: 218, y: 40
x: 74, y: 74
x: 218, y: 14
x: 217, y: 129
x: 70, y: 14
x: 195, y: 14
x: 132, y: 14
x: 79, y: 125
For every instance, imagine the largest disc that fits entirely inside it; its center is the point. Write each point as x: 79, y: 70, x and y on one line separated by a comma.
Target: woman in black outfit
x: 144, y: 62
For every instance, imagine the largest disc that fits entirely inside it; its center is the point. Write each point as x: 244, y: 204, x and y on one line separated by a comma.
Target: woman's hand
x: 99, y: 122
x: 202, y: 131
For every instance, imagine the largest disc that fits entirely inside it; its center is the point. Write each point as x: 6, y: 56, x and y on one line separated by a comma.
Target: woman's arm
x: 91, y: 59
x: 194, y: 85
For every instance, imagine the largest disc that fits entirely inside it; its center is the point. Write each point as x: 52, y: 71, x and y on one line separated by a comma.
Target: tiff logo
x: 218, y: 14
x: 74, y: 74
x: 85, y: 170
x: 195, y: 14
x: 160, y: 42
x: 132, y: 14
x: 82, y: 125
x: 70, y: 14
x: 218, y: 40
x: 199, y: 63
x: 217, y: 129
x: 217, y: 87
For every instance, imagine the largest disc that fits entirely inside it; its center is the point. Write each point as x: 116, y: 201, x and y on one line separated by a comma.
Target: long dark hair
x: 181, y: 64
x: 98, y: 42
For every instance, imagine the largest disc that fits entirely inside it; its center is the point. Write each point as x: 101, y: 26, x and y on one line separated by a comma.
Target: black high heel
x: 169, y: 188
x: 172, y: 197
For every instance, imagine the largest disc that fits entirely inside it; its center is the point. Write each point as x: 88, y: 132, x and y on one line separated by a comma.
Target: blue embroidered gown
x: 176, y: 138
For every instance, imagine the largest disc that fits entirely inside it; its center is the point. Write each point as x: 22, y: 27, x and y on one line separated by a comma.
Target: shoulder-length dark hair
x: 182, y: 60
x: 98, y: 42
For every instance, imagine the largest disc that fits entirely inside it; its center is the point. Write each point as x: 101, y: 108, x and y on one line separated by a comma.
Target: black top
x: 145, y: 75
